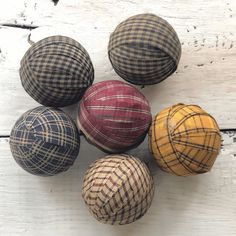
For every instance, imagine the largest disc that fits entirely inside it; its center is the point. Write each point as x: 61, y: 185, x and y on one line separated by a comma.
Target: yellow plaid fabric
x: 184, y: 140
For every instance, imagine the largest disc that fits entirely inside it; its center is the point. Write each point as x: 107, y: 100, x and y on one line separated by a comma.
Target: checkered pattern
x: 118, y: 189
x: 144, y: 49
x: 44, y: 141
x: 184, y: 140
x: 56, y: 71
x: 114, y: 116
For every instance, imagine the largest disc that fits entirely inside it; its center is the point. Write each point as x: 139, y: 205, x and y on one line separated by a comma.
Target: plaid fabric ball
x: 118, y: 189
x: 114, y: 116
x: 184, y: 140
x: 56, y: 71
x: 44, y: 141
x: 144, y: 49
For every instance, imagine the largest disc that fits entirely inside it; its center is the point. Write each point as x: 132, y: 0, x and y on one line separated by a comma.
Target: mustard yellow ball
x: 184, y: 140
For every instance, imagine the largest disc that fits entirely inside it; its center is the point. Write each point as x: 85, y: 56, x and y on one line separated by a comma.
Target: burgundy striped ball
x: 114, y: 116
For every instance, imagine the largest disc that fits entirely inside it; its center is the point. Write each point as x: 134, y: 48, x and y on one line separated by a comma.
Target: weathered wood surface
x: 206, y: 74
x: 203, y: 205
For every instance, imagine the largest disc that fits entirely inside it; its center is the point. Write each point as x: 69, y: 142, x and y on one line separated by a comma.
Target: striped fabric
x: 56, y: 71
x: 184, y: 140
x: 44, y: 141
x: 118, y: 189
x: 114, y: 116
x: 144, y: 49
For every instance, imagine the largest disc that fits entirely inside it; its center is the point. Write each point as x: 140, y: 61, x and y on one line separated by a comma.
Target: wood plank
x: 202, y: 205
x: 206, y: 74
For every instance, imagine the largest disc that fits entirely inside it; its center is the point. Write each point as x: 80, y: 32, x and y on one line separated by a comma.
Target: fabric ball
x: 56, y: 71
x: 44, y: 141
x: 114, y: 116
x: 118, y: 189
x: 184, y: 140
x: 144, y: 49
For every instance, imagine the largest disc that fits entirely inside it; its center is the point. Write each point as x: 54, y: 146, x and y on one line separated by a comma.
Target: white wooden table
x: 203, y: 205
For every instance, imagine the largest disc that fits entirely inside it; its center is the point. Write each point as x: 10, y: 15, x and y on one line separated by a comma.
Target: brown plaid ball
x: 44, y: 141
x: 118, y: 189
x: 56, y: 71
x: 184, y: 140
x: 144, y: 49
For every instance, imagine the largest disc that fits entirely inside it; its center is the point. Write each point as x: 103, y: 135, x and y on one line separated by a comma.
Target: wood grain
x: 41, y: 206
x: 203, y: 205
x: 206, y: 73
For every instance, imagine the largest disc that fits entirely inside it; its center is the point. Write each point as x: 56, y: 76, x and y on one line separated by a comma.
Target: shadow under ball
x: 45, y: 141
x: 144, y: 49
x: 184, y: 140
x: 56, y: 71
x: 118, y: 189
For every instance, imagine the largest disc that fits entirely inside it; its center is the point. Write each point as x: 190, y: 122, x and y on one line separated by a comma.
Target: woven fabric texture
x: 118, y: 189
x: 144, y: 49
x: 44, y: 141
x: 56, y: 71
x: 184, y: 140
x: 114, y: 116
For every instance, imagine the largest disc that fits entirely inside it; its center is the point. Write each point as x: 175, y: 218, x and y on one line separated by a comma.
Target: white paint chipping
x: 203, y: 205
x: 206, y: 73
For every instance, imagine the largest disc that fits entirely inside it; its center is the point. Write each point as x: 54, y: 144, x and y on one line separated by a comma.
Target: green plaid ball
x: 44, y: 141
x: 144, y: 49
x: 56, y: 71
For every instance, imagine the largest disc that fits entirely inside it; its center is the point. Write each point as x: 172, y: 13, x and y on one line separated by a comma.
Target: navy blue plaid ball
x: 45, y: 141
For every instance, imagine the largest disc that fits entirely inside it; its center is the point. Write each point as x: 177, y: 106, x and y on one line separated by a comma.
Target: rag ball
x: 56, y: 71
x: 118, y: 189
x: 144, y: 49
x: 114, y: 116
x: 44, y: 141
x: 184, y: 140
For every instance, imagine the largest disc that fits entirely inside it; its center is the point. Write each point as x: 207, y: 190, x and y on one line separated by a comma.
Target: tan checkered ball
x: 118, y: 189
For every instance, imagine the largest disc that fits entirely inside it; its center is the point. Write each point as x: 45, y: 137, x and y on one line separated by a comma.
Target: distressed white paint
x: 203, y: 205
x: 206, y: 73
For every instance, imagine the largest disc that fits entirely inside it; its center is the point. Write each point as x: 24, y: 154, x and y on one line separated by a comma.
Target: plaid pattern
x: 44, y: 141
x: 56, y: 71
x: 144, y: 49
x: 184, y: 140
x: 114, y: 116
x: 118, y: 189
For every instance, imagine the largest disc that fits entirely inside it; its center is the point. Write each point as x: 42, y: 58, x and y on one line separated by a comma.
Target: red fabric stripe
x: 114, y: 115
